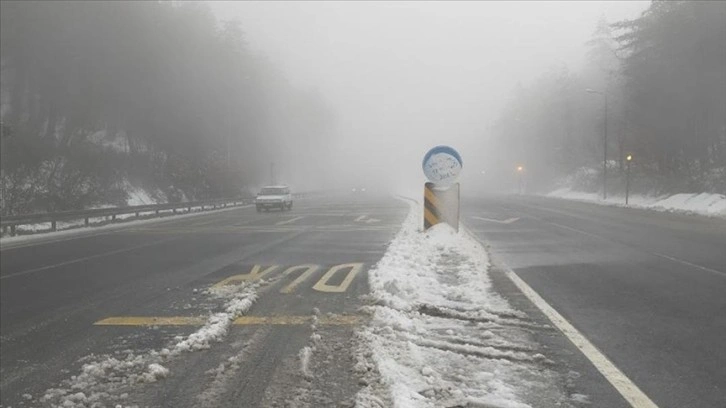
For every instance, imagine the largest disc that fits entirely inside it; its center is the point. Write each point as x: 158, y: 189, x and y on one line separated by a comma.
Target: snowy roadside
x: 439, y: 336
x: 109, y: 380
x: 712, y: 205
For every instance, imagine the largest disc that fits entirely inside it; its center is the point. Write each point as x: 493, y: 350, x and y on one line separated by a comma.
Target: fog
x: 182, y: 101
x: 405, y: 76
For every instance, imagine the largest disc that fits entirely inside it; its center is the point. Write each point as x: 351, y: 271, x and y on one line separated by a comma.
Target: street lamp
x: 520, y: 172
x: 604, y: 142
x: 628, y: 160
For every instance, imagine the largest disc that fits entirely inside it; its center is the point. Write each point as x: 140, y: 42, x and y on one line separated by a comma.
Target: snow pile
x: 306, y: 352
x: 704, y: 204
x: 218, y: 324
x: 103, y: 377
x: 439, y: 335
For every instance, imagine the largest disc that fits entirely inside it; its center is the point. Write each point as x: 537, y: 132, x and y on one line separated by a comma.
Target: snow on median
x: 440, y: 337
x: 107, y: 380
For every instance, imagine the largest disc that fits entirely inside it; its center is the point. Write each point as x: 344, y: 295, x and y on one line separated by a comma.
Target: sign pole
x: 442, y: 166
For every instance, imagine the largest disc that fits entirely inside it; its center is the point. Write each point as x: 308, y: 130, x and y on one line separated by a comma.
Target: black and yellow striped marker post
x: 441, y: 204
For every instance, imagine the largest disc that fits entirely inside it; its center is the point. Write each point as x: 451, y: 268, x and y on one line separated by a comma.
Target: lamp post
x: 628, y: 160
x: 520, y: 172
x: 604, y: 141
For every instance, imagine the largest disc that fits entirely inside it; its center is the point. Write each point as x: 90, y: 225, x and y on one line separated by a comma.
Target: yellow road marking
x: 255, y: 274
x: 322, y: 284
x: 333, y: 320
x: 309, y: 270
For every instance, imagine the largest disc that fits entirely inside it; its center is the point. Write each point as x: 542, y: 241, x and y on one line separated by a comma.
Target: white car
x: 274, y: 197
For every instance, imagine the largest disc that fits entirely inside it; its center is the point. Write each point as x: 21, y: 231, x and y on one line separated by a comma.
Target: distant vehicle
x: 359, y: 190
x: 274, y: 197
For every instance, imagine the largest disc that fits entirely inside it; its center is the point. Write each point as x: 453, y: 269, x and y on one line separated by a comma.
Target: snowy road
x: 343, y: 301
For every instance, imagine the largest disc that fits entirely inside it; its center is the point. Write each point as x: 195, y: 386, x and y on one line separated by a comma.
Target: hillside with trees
x: 99, y: 96
x: 662, y: 77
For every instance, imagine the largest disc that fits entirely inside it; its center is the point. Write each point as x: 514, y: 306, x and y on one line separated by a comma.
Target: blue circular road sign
x: 442, y: 165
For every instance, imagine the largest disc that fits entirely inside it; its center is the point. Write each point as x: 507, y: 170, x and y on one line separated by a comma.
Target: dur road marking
x: 632, y: 394
x: 353, y: 270
x: 256, y: 273
x: 309, y: 270
x: 332, y: 320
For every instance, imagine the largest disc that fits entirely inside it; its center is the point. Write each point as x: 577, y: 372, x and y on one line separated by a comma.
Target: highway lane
x: 648, y: 289
x: 316, y: 255
x: 82, y: 313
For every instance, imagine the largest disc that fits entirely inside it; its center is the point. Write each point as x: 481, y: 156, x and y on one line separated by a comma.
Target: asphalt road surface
x: 647, y: 289
x: 57, y: 297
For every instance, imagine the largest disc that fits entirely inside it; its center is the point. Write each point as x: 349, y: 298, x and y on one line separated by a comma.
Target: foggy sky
x: 405, y: 76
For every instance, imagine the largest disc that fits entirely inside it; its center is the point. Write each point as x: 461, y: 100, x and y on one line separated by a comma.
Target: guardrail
x: 12, y: 221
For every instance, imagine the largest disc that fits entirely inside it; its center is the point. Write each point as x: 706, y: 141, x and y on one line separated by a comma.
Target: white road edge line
x: 635, y: 397
x: 290, y: 221
x: 86, y: 258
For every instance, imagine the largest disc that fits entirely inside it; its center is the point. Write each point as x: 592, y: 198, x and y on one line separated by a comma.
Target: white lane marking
x: 290, y: 221
x: 589, y: 234
x: 670, y: 258
x: 635, y: 397
x: 86, y: 258
x: 681, y: 261
x: 507, y: 221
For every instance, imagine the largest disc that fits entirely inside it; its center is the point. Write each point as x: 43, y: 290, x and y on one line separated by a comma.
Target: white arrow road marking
x: 290, y: 221
x: 366, y: 219
x: 507, y: 221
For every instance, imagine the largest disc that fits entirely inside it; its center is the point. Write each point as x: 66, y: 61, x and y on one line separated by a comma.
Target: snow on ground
x: 703, y: 204
x: 106, y: 380
x: 439, y: 336
x: 139, y: 196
